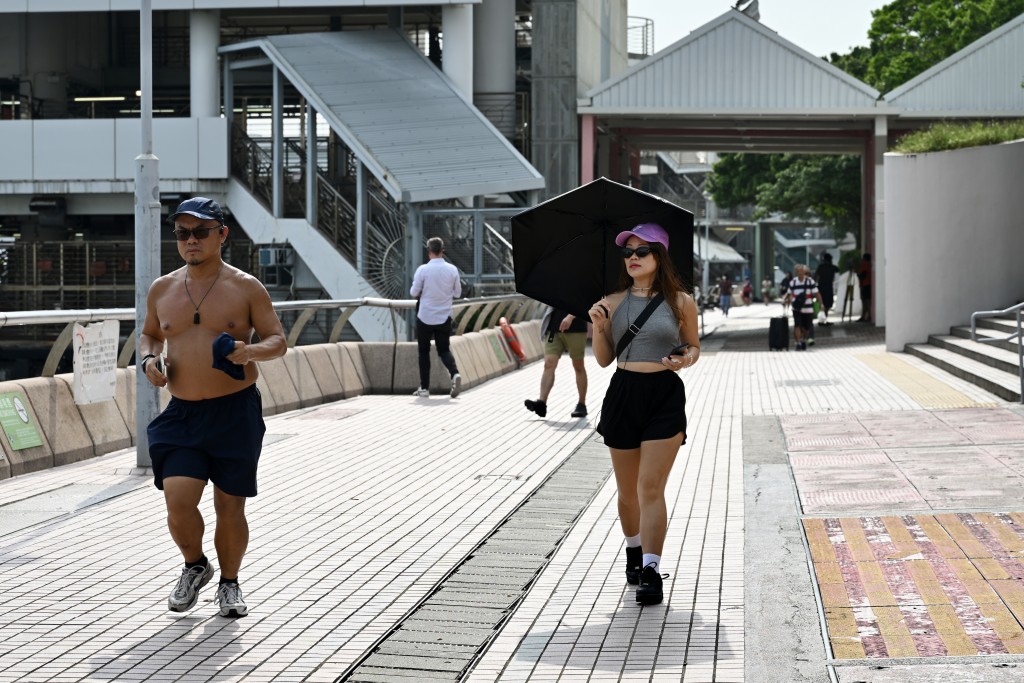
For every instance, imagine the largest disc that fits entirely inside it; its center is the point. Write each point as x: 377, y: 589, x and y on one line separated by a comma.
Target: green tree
x: 909, y: 36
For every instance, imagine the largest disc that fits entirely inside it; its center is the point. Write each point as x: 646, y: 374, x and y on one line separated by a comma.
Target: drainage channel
x: 441, y: 637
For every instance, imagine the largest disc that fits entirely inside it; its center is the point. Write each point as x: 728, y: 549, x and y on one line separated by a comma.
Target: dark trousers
x: 442, y: 338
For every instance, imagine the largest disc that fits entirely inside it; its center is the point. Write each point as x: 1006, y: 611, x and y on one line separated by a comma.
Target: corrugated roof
x: 733, y: 65
x: 400, y: 115
x: 982, y: 79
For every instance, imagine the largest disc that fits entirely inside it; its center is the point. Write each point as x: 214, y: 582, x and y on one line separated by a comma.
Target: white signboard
x: 95, y: 351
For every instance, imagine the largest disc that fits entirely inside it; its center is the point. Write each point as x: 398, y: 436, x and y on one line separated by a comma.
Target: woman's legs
x: 641, y: 475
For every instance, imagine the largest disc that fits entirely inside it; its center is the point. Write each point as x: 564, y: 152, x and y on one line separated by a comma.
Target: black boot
x: 649, y: 591
x: 634, y: 564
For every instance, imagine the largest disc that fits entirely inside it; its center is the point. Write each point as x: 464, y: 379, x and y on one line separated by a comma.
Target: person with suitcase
x: 803, y: 292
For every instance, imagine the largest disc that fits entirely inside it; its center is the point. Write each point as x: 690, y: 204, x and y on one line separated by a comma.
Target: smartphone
x: 679, y: 350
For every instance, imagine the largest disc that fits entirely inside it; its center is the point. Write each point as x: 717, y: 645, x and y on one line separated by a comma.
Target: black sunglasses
x: 640, y: 251
x: 182, y: 235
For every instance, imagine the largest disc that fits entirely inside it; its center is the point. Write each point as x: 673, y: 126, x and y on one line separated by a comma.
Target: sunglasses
x: 641, y: 251
x: 182, y: 235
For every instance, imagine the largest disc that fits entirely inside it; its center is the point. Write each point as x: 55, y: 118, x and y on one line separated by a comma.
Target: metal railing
x: 1016, y: 310
x: 470, y: 315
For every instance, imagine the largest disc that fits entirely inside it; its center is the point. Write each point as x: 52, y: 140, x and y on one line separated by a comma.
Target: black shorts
x: 216, y: 439
x: 642, y: 406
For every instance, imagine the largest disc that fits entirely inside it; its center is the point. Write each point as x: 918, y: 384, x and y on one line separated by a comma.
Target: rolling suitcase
x: 778, y: 334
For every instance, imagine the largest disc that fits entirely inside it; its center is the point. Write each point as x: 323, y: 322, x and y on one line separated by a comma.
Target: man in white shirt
x: 435, y: 284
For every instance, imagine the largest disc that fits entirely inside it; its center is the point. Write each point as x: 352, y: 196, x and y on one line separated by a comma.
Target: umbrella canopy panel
x: 564, y: 249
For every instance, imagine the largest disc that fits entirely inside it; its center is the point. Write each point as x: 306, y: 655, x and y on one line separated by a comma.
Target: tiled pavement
x: 367, y: 503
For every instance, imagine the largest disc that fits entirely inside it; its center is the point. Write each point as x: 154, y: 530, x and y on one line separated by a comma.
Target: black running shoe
x: 634, y: 564
x: 538, y: 406
x: 649, y: 591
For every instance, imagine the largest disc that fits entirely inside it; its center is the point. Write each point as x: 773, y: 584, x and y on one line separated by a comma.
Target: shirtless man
x: 213, y: 428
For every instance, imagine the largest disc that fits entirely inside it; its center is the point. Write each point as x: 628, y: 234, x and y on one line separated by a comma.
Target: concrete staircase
x: 993, y: 366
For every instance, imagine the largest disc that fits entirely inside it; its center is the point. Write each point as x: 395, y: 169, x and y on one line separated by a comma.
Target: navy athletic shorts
x: 215, y: 439
x: 642, y: 406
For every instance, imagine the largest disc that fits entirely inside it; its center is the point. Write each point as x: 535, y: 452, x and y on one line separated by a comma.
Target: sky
x: 818, y: 26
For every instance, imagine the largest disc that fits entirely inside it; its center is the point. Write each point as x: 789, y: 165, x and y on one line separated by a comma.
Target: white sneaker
x: 456, y: 384
x: 186, y: 591
x: 421, y: 393
x: 229, y: 597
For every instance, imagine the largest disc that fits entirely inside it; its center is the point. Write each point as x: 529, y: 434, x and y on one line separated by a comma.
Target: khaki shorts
x: 573, y: 342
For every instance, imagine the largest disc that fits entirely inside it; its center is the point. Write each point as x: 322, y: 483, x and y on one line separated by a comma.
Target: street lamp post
x: 147, y: 227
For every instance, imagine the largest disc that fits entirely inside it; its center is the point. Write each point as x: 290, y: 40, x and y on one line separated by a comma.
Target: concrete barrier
x: 305, y: 376
x: 59, y: 419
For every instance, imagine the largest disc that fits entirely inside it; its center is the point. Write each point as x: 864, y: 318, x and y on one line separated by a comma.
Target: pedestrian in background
x: 724, y: 294
x: 564, y: 332
x: 435, y: 284
x: 643, y: 417
x: 825, y: 276
x: 212, y: 430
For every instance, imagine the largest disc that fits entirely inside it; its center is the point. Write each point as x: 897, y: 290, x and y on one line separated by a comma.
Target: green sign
x: 17, y: 422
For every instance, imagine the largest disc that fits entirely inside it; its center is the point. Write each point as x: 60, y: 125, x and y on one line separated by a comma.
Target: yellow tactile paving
x: 926, y: 390
x: 936, y: 601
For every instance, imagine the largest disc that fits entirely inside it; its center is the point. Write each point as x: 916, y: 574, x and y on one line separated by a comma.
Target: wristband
x: 144, y: 359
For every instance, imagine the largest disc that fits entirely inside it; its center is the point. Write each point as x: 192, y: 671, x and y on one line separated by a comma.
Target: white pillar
x: 878, y: 258
x: 204, y: 39
x: 494, y: 63
x: 457, y: 46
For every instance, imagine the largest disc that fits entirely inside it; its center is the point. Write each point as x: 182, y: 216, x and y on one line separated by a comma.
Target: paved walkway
x: 369, y: 505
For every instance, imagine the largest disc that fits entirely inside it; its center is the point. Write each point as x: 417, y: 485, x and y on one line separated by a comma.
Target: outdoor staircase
x: 993, y: 366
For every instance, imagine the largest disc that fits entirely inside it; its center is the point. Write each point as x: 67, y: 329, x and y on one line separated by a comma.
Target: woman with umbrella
x: 643, y: 418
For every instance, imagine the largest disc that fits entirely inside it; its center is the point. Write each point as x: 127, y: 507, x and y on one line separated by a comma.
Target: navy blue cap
x: 200, y: 207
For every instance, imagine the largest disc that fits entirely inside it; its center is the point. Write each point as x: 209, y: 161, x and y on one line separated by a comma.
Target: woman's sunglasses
x: 641, y: 251
x: 182, y: 235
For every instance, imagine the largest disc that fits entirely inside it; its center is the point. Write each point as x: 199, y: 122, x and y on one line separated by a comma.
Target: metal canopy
x: 400, y: 115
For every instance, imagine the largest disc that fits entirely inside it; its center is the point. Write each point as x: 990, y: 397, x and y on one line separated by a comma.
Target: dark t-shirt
x: 578, y: 324
x: 825, y: 275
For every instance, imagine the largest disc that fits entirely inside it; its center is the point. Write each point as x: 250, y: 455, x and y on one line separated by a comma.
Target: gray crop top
x: 658, y: 336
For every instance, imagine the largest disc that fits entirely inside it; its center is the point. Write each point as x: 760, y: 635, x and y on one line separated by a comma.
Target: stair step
x: 989, y: 354
x: 1003, y: 384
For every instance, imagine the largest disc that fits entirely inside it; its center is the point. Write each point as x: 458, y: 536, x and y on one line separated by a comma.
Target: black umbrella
x: 564, y: 249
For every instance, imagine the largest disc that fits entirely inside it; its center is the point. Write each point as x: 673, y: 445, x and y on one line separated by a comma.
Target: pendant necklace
x: 195, y: 316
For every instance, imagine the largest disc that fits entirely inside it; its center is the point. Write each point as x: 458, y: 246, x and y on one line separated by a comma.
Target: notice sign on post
x: 95, y: 352
x: 17, y: 422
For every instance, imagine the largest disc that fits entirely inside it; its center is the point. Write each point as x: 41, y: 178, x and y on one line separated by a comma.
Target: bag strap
x: 635, y: 326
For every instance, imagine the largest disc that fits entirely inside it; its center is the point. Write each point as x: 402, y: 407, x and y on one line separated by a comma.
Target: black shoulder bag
x: 634, y: 328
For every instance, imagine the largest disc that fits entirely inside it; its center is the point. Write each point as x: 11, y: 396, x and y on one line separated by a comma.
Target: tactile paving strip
x: 921, y: 585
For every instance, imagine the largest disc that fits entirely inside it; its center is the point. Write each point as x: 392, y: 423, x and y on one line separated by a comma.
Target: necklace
x: 195, y: 316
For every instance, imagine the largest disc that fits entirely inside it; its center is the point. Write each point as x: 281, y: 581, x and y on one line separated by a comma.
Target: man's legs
x: 231, y: 537
x: 182, y: 496
x: 442, y: 338
x: 423, y: 334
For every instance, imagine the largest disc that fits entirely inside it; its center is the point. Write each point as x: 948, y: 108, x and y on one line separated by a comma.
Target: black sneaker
x: 649, y: 591
x: 538, y: 406
x: 581, y: 410
x: 634, y: 565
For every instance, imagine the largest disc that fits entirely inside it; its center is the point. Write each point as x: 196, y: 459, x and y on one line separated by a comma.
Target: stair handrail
x: 1016, y: 310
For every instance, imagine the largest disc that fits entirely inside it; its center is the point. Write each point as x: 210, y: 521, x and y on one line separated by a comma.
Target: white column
x: 878, y: 257
x: 457, y: 46
x: 203, y: 41
x: 494, y: 63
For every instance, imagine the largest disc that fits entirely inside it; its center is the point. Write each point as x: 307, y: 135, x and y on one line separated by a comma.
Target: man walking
x: 564, y: 332
x: 435, y: 284
x: 212, y: 429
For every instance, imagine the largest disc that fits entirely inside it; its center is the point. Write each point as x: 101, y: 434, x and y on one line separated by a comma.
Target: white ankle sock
x: 633, y: 541
x: 652, y: 559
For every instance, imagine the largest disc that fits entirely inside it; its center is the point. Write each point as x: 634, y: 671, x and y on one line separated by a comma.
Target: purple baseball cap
x: 648, y: 232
